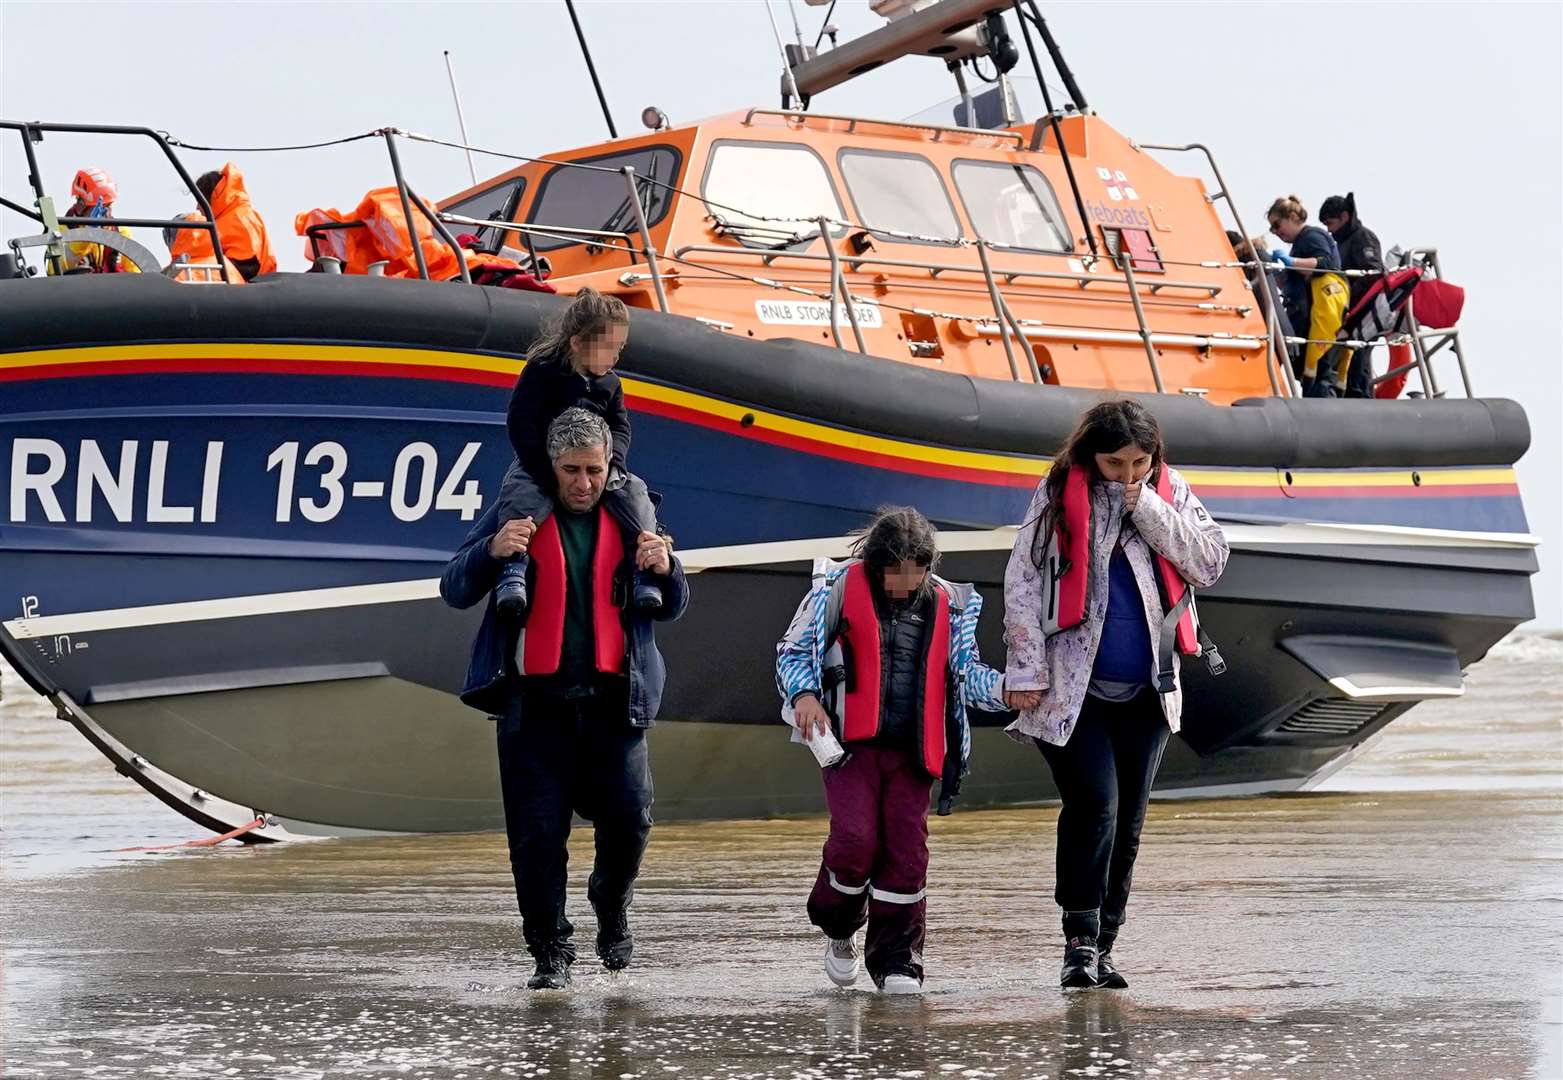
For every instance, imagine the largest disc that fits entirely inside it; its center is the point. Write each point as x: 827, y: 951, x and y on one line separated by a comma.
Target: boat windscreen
x: 785, y: 187
x: 493, y: 204
x: 899, y: 192
x: 597, y: 198
x: 1012, y: 204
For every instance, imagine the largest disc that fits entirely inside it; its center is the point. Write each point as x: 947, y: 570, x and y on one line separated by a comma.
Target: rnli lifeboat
x: 229, y: 506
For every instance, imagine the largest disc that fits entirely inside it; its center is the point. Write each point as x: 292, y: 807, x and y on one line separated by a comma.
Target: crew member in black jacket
x: 1359, y: 250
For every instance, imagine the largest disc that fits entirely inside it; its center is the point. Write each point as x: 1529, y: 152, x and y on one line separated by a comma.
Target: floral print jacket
x: 1060, y: 665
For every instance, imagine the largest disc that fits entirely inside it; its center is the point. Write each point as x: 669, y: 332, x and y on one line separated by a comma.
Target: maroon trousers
x: 875, y: 867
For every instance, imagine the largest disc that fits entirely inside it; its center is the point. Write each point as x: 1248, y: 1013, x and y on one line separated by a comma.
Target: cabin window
x: 768, y: 194
x: 597, y: 198
x: 497, y: 203
x: 1012, y: 204
x: 902, y: 192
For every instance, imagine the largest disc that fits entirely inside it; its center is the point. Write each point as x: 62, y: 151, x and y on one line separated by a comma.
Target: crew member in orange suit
x: 239, y: 226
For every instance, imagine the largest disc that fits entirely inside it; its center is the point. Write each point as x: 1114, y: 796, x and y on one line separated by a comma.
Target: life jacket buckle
x: 1213, y: 661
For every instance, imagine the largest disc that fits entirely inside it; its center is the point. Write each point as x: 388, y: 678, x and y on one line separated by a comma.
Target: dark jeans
x: 558, y: 756
x: 1359, y: 382
x: 1104, y: 774
x: 875, y: 865
x: 625, y: 497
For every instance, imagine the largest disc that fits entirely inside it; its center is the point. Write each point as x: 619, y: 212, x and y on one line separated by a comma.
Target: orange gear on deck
x: 384, y: 222
x: 239, y: 226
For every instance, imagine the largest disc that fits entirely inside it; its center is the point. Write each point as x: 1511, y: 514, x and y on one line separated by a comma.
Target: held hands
x: 1131, y: 496
x: 811, y: 716
x: 512, y: 538
x: 1279, y: 257
x: 654, y: 553
x: 1021, y: 700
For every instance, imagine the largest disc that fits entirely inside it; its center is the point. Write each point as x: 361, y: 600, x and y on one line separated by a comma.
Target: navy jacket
x: 547, y: 388
x: 492, y: 681
x: 1312, y: 243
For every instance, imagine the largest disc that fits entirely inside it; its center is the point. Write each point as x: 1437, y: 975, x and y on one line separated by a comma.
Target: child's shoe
x: 1107, y: 975
x: 510, y: 593
x: 1079, y: 971
x: 645, y: 596
x: 901, y: 982
x: 841, y: 960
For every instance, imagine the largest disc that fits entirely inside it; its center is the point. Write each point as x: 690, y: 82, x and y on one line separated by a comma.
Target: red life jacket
x: 1066, y: 573
x: 866, y: 682
x: 543, y: 643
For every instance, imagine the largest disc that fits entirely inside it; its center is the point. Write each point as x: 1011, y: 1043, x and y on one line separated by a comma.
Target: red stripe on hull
x: 837, y: 453
x: 991, y: 477
x: 221, y: 366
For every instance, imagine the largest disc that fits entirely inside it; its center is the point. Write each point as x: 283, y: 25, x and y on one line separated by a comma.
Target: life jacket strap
x: 1165, y: 682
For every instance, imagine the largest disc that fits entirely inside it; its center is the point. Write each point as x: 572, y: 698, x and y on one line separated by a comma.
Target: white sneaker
x: 841, y: 961
x: 896, y: 983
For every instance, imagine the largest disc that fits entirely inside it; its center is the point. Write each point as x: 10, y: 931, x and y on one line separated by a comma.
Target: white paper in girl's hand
x: 827, y: 751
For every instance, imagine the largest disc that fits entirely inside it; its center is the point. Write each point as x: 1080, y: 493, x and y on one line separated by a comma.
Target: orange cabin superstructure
x: 731, y: 205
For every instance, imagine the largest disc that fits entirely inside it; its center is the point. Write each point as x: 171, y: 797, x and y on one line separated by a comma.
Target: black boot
x: 1107, y: 975
x: 1080, y: 965
x: 1080, y: 932
x: 510, y: 592
x: 644, y: 595
x: 615, y: 943
x: 553, y: 968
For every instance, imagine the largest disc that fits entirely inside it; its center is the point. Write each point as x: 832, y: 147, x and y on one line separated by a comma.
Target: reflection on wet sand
x: 1381, y: 933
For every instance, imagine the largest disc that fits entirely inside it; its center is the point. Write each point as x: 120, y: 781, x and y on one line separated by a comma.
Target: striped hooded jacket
x: 810, y: 648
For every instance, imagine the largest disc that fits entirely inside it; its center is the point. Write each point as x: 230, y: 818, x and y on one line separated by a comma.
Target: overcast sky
x: 1445, y: 119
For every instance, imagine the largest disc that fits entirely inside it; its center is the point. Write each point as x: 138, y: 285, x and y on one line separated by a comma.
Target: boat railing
x: 1276, y: 356
x: 54, y: 224
x: 1002, y: 322
x: 1418, y: 336
x: 799, y: 119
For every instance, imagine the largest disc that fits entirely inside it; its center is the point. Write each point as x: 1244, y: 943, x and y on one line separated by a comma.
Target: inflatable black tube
x: 789, y: 376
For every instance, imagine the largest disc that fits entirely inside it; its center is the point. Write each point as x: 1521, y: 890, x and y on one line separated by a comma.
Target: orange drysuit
x: 240, y: 228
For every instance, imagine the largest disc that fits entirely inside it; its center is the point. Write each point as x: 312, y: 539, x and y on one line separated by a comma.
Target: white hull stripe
x: 697, y: 560
x: 1413, y: 690
x: 897, y: 897
x: 850, y: 890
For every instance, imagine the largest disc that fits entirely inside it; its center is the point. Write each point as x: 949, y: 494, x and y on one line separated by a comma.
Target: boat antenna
x: 797, y: 28
x: 789, y: 84
x: 460, y: 119
x: 591, y: 68
x: 825, y: 27
x: 1054, y: 51
x: 1058, y: 135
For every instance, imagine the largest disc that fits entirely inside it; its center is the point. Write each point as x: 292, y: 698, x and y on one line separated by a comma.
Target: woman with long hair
x: 1097, y: 606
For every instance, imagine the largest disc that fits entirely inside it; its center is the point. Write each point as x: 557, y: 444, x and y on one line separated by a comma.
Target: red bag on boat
x: 1437, y: 304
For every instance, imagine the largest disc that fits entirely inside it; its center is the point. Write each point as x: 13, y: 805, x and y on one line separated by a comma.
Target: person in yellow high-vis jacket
x: 1315, y: 297
x: 93, y: 192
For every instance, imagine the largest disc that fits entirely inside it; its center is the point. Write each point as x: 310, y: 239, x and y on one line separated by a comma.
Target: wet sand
x: 1406, y: 923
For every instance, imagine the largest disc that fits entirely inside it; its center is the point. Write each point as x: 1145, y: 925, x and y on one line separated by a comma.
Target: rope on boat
x: 209, y: 841
x: 172, y: 141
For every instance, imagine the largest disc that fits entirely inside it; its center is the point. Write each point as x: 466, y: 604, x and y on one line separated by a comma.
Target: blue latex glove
x: 1280, y: 257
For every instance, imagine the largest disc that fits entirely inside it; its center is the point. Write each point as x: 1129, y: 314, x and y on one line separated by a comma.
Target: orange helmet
x: 92, y: 185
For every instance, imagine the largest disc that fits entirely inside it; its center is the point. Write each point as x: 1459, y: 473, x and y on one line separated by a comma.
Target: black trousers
x: 560, y: 756
x: 625, y: 497
x: 1104, y: 774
